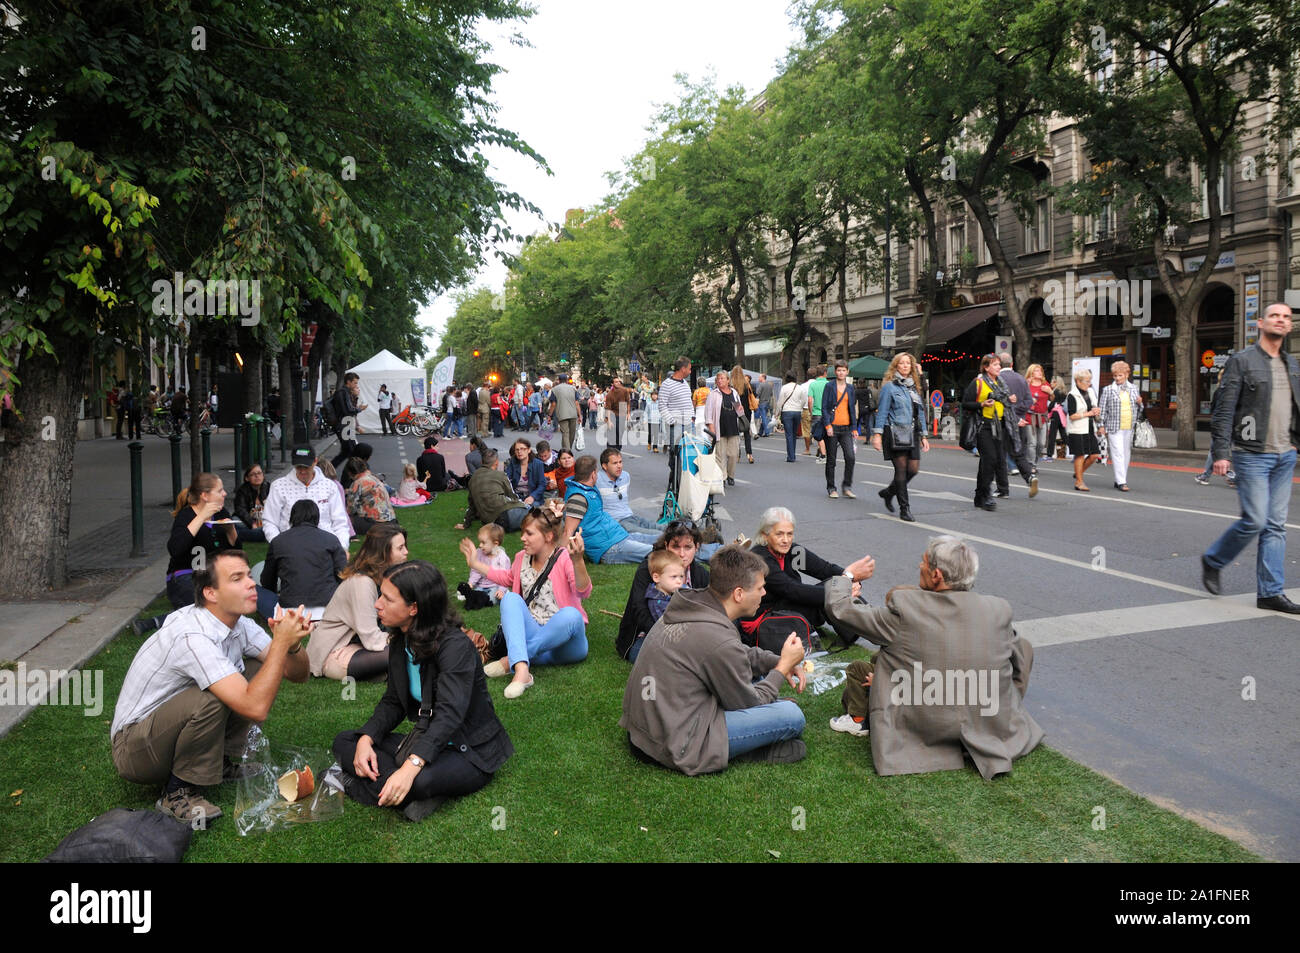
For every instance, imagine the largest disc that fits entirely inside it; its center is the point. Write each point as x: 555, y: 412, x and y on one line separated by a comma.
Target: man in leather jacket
x: 1256, y: 427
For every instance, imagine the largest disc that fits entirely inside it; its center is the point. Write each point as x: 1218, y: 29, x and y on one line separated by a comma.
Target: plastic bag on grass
x: 259, y: 805
x: 825, y: 674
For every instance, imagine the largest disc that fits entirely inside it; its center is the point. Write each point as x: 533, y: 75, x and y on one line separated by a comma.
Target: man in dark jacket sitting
x: 303, y: 563
x: 692, y: 702
x: 491, y: 497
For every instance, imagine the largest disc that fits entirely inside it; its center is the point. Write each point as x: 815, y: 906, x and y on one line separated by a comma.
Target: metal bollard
x: 284, y: 440
x: 137, y: 498
x: 205, y: 436
x: 239, y: 449
x: 266, y: 444
x: 175, y: 441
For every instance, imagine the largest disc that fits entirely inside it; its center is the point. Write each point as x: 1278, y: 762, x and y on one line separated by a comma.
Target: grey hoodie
x: 692, y: 669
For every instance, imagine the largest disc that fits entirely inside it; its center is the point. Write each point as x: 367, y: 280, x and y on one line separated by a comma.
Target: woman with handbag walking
x: 542, y: 620
x: 1121, y: 406
x: 899, y: 430
x: 723, y: 421
x: 748, y: 402
x: 436, y: 680
x: 1081, y: 433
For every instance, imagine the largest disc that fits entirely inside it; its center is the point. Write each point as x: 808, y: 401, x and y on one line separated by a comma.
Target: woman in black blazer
x: 435, y: 678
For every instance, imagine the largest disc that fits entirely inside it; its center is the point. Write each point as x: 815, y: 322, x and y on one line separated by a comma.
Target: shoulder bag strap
x: 541, y: 580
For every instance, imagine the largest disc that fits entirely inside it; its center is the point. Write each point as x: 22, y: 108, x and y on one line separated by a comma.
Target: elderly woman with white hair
x: 787, y: 564
x: 1121, y: 403
x: 724, y: 421
x: 1081, y: 432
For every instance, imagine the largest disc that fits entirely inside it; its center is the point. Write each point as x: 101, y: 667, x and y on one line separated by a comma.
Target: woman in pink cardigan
x: 550, y: 628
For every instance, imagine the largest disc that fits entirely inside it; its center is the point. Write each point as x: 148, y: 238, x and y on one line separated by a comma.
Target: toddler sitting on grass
x: 411, y: 490
x: 480, y: 592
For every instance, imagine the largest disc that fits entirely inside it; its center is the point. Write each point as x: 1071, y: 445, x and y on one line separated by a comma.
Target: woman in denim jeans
x: 1035, y: 431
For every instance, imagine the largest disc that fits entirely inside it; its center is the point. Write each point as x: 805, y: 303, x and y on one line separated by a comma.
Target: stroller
x: 693, y: 477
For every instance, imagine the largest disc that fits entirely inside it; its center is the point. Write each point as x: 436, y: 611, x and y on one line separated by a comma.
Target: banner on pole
x: 443, y: 376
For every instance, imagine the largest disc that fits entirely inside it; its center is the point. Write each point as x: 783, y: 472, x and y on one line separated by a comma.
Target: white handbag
x: 579, y: 441
x: 1144, y: 435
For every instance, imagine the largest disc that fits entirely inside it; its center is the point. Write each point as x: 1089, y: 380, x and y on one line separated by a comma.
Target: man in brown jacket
x: 617, y: 400
x: 691, y: 701
x: 951, y: 673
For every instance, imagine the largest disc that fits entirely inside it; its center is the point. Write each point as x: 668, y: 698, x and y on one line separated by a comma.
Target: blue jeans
x: 630, y: 551
x: 1264, y: 489
x: 764, y: 413
x: 634, y: 524
x: 561, y: 641
x: 751, y: 728
x: 791, y: 420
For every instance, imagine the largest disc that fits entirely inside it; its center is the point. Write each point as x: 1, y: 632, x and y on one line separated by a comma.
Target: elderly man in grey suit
x: 951, y: 674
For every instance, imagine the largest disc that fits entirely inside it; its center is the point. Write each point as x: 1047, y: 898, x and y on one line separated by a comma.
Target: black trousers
x: 993, y: 462
x: 346, y: 449
x: 385, y: 420
x: 451, y: 773
x: 842, y: 438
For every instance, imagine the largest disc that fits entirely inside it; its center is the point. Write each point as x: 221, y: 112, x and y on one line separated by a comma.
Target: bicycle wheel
x: 402, y: 429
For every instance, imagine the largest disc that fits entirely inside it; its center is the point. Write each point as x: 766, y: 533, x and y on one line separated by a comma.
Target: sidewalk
x: 63, y: 629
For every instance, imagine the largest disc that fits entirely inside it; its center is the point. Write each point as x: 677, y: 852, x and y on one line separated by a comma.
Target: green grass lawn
x: 573, y: 792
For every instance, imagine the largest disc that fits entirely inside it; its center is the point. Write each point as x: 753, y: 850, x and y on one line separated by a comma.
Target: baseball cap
x: 304, y: 456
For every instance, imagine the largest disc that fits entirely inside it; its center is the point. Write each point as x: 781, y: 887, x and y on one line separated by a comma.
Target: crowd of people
x: 712, y: 634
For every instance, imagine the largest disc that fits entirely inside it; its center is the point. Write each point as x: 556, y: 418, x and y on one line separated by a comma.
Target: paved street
x: 1138, y: 672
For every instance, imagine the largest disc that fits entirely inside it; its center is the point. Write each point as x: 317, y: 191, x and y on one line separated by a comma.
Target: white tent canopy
x: 406, y: 382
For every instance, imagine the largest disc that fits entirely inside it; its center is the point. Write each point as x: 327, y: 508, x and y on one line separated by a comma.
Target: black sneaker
x: 418, y: 810
x: 779, y: 752
x: 1209, y: 577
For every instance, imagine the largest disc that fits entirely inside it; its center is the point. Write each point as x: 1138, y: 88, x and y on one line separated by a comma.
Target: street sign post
x: 887, y: 333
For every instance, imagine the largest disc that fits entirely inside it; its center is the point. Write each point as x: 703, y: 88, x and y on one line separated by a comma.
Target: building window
x: 956, y: 246
x: 1101, y: 226
x: 1037, y: 236
x: 986, y: 257
x: 1225, y: 194
x: 1103, y: 76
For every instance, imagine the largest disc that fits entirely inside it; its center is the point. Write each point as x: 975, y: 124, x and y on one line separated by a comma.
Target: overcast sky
x: 586, y: 90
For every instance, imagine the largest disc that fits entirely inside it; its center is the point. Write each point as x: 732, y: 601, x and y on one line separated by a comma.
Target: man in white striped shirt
x: 198, y: 684
x: 676, y: 409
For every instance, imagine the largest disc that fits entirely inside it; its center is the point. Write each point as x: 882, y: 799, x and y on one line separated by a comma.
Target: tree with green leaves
x: 272, y: 143
x: 694, y: 215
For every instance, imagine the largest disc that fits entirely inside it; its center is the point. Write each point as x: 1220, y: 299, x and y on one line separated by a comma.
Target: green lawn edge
x: 572, y: 792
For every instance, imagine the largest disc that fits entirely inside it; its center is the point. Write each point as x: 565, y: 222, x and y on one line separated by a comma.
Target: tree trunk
x: 36, y: 469
x: 1006, y: 277
x: 198, y: 400
x: 254, y: 354
x: 917, y: 184
x: 735, y: 304
x: 1185, y: 306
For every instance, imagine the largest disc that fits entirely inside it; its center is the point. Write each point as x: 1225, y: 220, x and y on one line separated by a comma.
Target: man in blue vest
x: 604, y: 540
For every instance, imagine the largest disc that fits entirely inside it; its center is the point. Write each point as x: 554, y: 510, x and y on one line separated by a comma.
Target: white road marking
x: 1053, y: 557
x: 1075, y: 495
x: 1107, y: 623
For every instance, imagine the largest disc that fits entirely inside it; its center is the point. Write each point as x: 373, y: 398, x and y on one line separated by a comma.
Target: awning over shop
x: 944, y: 326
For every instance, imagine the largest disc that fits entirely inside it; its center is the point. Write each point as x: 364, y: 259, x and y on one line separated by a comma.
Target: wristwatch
x: 416, y: 760
x: 848, y: 574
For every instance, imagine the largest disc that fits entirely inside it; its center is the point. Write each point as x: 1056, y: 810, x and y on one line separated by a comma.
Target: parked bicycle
x: 418, y: 420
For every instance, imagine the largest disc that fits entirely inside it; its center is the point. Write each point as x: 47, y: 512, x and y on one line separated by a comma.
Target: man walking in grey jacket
x: 697, y: 697
x: 1256, y: 429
